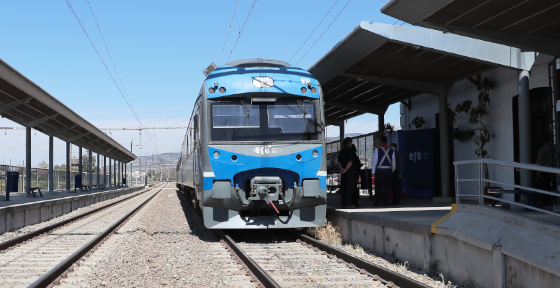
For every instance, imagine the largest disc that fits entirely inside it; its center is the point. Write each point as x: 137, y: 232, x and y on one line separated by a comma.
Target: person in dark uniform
x: 345, y: 161
x: 397, y: 176
x: 382, y: 166
x: 356, y: 164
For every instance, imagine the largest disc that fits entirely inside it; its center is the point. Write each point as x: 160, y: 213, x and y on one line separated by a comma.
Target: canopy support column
x: 51, y: 171
x: 28, y: 161
x: 110, y: 182
x: 524, y: 119
x: 444, y: 156
x: 90, y: 168
x: 80, y: 162
x: 68, y: 166
x: 98, y: 160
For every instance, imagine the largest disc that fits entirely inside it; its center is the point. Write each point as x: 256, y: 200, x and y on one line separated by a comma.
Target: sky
x: 159, y: 49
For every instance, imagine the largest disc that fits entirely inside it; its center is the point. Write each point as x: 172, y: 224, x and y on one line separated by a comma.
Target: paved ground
x: 421, y: 211
x: 23, y: 199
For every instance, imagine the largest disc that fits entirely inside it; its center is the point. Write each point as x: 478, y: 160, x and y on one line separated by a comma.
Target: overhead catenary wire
x: 229, y: 30
x: 242, y: 28
x: 324, y: 32
x: 128, y: 101
x: 320, y: 22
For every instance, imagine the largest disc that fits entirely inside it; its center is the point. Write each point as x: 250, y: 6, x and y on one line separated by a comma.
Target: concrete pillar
x: 68, y: 166
x: 444, y: 148
x: 341, y: 129
x: 121, y: 172
x: 115, y: 172
x: 381, y: 122
x: 98, y: 160
x: 105, y: 170
x: 28, y: 161
x: 125, y: 175
x: 109, y: 172
x: 524, y: 112
x: 51, y: 172
x: 90, y: 167
x: 381, y: 129
x: 80, y: 162
x: 119, y: 175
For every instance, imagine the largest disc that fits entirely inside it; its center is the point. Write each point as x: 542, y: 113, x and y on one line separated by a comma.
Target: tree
x: 480, y: 131
x: 475, y: 116
x: 43, y: 165
x: 60, y: 167
x: 85, y: 162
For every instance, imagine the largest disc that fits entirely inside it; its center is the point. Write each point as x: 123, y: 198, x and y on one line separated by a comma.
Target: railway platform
x: 488, y: 245
x: 22, y: 211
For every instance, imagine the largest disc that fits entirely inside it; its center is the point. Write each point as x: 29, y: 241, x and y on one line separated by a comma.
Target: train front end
x: 266, y: 165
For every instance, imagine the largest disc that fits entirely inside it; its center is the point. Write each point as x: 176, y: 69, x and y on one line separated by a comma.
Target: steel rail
x: 261, y: 275
x: 382, y: 272
x: 9, y: 243
x: 57, y: 271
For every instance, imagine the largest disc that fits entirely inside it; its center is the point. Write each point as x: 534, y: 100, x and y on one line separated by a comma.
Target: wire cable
x: 128, y: 101
x: 324, y: 31
x: 313, y: 30
x: 229, y: 30
x: 242, y: 28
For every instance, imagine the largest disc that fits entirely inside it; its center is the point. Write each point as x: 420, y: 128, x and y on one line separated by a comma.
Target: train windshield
x: 284, y: 120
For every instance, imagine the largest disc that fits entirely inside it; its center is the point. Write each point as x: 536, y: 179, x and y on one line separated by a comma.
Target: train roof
x: 258, y: 62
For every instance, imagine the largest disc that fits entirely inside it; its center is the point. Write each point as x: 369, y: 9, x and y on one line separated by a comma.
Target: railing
x: 40, y: 178
x: 481, y: 180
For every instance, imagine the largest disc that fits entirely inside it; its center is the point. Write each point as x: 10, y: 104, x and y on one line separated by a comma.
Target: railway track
x: 40, y: 258
x: 287, y: 258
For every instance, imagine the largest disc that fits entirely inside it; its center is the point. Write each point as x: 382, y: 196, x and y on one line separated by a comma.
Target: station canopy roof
x: 27, y: 104
x: 530, y: 25
x: 377, y: 65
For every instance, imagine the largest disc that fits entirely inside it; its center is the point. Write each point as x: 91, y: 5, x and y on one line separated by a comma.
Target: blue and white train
x: 254, y: 154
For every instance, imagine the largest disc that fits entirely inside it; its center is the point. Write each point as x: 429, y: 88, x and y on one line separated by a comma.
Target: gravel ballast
x: 30, y: 228
x: 163, y: 245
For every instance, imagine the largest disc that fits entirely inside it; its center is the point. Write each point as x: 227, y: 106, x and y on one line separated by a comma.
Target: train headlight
x: 303, y: 90
x: 234, y: 158
x: 298, y: 157
x: 211, y: 90
x: 216, y: 154
x: 313, y: 90
x: 222, y: 90
x: 315, y: 153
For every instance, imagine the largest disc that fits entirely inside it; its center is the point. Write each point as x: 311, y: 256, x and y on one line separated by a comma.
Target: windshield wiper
x: 246, y: 108
x: 301, y: 107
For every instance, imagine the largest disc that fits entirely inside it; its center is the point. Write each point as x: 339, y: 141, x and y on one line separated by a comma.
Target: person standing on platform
x: 356, y: 164
x: 397, y: 176
x: 345, y: 161
x: 382, y: 166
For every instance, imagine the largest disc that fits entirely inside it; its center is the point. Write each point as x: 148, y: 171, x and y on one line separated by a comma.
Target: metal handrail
x: 510, y: 164
x: 481, y: 180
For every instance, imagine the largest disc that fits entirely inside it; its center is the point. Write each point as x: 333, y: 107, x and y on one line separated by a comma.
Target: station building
x: 443, y: 61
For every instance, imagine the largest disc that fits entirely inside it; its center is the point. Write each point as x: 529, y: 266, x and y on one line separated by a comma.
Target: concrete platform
x: 485, y: 244
x: 22, y: 211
